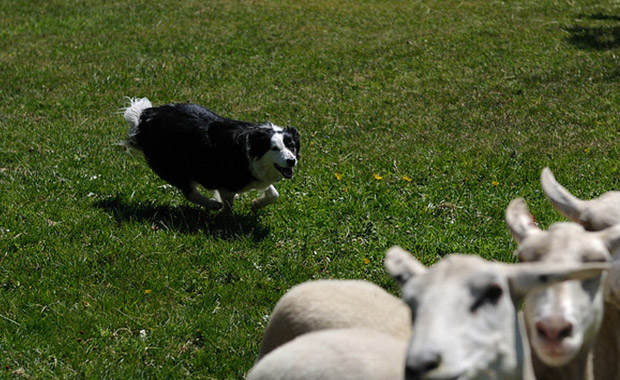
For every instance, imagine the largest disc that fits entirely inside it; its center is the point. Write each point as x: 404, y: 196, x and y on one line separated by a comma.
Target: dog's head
x: 273, y: 152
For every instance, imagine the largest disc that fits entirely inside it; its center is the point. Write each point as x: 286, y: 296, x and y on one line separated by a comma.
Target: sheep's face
x: 464, y: 322
x: 565, y: 317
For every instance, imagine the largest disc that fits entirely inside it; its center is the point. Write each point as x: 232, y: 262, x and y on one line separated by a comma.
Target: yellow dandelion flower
x: 147, y: 291
x: 587, y: 150
x: 377, y: 177
x: 407, y: 178
x: 366, y: 261
x: 494, y: 183
x: 338, y: 176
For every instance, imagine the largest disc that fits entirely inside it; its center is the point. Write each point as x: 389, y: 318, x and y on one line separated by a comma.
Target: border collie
x: 188, y: 145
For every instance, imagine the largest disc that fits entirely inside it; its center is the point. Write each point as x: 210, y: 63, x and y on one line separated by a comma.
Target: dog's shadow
x: 603, y: 33
x: 184, y: 219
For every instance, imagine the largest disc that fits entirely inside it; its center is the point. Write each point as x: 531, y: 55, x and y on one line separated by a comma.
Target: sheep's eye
x: 413, y: 307
x: 490, y: 295
x: 591, y: 285
x: 594, y: 258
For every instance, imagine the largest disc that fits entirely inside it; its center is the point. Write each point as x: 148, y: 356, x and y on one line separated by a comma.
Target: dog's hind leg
x: 269, y: 196
x: 193, y: 195
x: 226, y: 197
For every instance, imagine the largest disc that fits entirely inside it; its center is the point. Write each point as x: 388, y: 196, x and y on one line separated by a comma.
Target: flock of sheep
x: 460, y: 318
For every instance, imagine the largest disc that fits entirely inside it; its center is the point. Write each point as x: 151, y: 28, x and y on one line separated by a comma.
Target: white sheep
x: 336, y: 354
x: 596, y: 215
x: 330, y: 304
x: 563, y: 320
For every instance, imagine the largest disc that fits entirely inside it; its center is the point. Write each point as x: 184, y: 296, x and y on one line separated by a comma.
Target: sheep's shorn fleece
x: 465, y: 322
x: 337, y: 354
x: 331, y: 304
x: 596, y: 215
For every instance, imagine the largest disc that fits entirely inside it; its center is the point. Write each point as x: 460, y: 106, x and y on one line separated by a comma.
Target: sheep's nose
x: 291, y: 162
x: 412, y: 374
x: 554, y: 329
x: 421, y: 364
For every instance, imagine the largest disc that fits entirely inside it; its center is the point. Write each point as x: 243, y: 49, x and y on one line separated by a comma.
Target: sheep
x: 328, y: 304
x: 596, y: 215
x: 336, y: 354
x: 563, y: 320
x: 465, y: 319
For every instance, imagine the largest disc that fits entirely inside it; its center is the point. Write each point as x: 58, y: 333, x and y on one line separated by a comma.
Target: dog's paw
x: 213, y: 206
x: 258, y: 203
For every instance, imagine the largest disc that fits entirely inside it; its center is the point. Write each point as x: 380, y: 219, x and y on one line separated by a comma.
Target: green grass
x: 106, y: 273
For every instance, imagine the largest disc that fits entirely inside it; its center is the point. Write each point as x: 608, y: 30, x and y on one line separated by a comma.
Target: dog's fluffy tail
x: 132, y: 116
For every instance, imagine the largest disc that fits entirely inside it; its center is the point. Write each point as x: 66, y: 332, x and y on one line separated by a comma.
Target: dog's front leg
x: 193, y: 195
x: 226, y: 197
x: 269, y: 196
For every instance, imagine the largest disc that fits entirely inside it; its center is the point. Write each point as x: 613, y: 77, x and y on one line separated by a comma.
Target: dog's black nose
x: 291, y: 162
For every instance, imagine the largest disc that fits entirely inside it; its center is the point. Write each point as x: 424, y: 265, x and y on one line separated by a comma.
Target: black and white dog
x: 188, y: 145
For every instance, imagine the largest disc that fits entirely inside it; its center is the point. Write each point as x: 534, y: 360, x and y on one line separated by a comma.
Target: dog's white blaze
x: 283, y: 154
x: 277, y: 140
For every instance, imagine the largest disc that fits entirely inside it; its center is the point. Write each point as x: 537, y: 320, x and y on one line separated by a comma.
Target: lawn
x: 420, y: 121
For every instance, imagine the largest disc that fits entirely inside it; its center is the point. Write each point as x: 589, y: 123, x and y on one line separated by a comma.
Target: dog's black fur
x: 186, y: 144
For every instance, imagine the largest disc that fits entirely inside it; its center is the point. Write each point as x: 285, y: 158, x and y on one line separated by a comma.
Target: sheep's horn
x: 566, y: 203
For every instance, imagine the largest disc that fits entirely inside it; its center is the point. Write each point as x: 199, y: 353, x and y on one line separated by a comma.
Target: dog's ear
x: 258, y: 141
x: 296, y: 138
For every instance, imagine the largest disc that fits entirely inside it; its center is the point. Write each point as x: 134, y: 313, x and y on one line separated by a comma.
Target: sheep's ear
x: 611, y: 237
x: 401, y: 265
x: 566, y: 203
x: 526, y: 277
x: 519, y: 220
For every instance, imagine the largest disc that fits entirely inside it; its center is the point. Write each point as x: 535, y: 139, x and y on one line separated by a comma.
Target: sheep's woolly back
x: 341, y: 354
x: 333, y: 304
